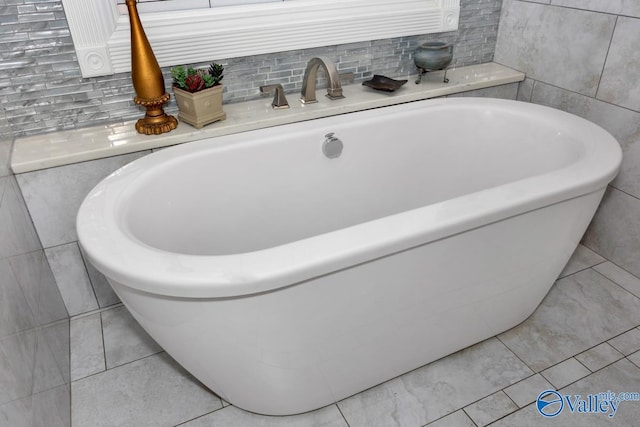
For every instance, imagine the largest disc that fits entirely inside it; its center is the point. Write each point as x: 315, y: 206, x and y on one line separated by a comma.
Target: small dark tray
x: 383, y: 83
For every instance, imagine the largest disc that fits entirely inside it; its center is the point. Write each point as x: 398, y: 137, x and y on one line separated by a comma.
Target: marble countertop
x: 78, y: 145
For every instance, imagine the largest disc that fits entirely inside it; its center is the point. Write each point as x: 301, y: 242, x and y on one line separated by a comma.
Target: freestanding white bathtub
x: 285, y: 280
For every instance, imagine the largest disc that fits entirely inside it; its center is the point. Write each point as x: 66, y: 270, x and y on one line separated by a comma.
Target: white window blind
x: 147, y: 6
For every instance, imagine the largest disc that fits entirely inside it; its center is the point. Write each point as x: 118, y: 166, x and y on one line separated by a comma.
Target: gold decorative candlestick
x: 147, y: 80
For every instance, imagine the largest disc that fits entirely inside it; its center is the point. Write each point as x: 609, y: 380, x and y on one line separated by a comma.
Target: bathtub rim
x: 202, y: 276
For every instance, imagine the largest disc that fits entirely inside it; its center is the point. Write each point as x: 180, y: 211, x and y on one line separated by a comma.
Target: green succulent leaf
x: 183, y: 77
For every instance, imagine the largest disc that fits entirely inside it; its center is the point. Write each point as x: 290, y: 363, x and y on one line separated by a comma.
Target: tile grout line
x: 631, y: 361
x: 96, y: 311
x: 201, y: 416
x: 617, y: 284
x: 468, y: 415
x: 124, y: 364
x: 606, y: 56
x: 342, y: 414
x: 582, y: 269
x: 517, y: 357
x: 583, y: 95
x: 104, y: 346
x: 620, y: 267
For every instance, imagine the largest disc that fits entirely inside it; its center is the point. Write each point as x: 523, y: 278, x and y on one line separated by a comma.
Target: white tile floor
x: 583, y: 339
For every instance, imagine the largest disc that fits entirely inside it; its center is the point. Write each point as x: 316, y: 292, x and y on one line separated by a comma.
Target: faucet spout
x: 334, y: 89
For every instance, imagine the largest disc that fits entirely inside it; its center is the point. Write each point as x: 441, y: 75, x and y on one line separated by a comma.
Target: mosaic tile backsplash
x: 42, y: 90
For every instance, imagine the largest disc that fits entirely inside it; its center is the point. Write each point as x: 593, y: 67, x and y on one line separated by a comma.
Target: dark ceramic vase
x: 432, y: 56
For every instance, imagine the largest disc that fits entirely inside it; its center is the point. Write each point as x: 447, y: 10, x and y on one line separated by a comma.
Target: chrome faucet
x: 334, y: 90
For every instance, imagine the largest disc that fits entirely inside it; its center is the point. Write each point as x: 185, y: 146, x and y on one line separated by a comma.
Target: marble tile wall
x: 581, y: 56
x: 42, y: 90
x: 34, y: 324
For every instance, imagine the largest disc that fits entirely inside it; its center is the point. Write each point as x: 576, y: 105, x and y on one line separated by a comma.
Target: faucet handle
x: 279, y: 98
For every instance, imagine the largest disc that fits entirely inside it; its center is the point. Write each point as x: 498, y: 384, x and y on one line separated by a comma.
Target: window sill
x: 73, y: 146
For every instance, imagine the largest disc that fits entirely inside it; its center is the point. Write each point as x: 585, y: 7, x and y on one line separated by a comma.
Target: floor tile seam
x: 625, y: 332
x: 581, y: 243
x: 104, y: 346
x: 597, y: 345
x: 463, y: 408
x: 448, y: 414
x: 96, y: 311
x: 29, y: 252
x: 29, y: 396
x: 124, y: 364
x: 603, y: 367
x: 572, y: 382
x: 604, y: 260
x: 467, y: 414
x: 632, y: 362
x: 34, y: 329
x: 504, y: 390
x: 203, y: 415
x: 47, y: 389
x: 509, y: 414
x: 61, y: 369
x: 104, y: 343
x: 625, y: 192
x: 74, y: 379
x: 516, y: 356
x: 620, y: 267
x: 618, y: 284
x: 104, y: 354
x: 342, y: 414
x: 85, y: 268
x: 509, y: 397
x: 16, y: 276
x: 37, y: 338
x: 131, y: 361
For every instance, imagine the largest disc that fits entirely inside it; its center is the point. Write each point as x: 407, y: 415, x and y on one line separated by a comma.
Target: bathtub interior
x: 268, y: 188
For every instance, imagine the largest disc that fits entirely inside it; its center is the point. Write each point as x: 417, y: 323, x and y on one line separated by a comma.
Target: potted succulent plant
x: 198, y: 94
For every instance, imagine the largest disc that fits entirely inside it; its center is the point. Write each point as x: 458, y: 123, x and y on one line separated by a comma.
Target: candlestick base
x: 155, y: 121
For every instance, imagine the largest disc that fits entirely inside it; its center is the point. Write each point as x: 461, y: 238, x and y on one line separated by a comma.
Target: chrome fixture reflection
x: 334, y: 88
x: 332, y: 146
x: 279, y: 99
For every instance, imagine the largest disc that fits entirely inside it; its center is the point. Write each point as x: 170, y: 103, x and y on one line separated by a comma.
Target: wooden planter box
x: 200, y: 108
